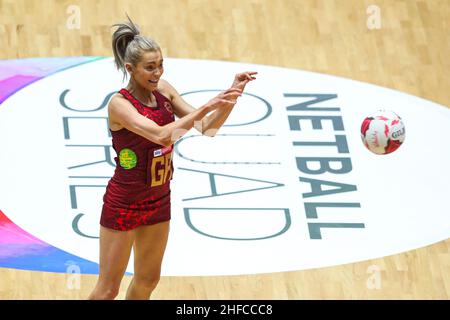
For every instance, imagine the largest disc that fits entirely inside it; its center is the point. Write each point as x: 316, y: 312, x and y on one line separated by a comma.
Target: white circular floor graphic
x: 286, y: 185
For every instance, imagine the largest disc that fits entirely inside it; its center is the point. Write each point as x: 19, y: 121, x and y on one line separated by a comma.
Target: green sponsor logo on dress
x: 127, y: 158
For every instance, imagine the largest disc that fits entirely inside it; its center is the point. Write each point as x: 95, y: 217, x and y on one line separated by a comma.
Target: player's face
x: 149, y: 70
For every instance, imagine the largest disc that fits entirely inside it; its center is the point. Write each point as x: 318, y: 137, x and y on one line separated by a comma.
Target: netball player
x: 136, y: 204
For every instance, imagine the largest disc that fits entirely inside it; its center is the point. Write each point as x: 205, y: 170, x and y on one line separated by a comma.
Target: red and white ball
x: 383, y: 132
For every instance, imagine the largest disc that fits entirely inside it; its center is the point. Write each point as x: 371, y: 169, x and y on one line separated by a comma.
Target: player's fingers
x: 228, y: 102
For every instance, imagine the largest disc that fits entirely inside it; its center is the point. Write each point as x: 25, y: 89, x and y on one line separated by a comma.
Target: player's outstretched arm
x: 210, y: 124
x: 122, y: 112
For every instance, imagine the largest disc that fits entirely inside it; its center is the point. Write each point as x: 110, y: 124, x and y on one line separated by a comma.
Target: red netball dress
x: 139, y: 191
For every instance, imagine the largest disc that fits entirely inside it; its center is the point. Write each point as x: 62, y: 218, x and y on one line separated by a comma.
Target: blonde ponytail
x: 128, y: 45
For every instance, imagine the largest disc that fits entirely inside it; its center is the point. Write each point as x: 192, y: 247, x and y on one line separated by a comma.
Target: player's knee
x: 110, y: 293
x: 149, y: 281
x: 104, y: 292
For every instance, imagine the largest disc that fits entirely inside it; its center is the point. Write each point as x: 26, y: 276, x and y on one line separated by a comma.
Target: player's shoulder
x: 166, y: 88
x: 163, y: 84
x: 117, y: 98
x: 118, y: 101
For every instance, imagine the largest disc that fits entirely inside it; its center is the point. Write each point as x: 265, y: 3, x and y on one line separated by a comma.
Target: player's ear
x: 129, y: 68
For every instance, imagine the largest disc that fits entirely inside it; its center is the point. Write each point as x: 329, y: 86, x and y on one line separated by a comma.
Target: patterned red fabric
x: 139, y: 191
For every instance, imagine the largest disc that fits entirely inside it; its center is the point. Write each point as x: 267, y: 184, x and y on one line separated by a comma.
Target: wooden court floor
x: 409, y: 52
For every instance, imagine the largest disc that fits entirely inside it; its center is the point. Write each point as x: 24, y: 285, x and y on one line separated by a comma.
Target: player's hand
x: 241, y: 79
x: 226, y: 98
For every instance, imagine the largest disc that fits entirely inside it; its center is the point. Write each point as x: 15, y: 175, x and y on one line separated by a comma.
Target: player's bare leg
x: 115, y: 250
x: 150, y: 244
